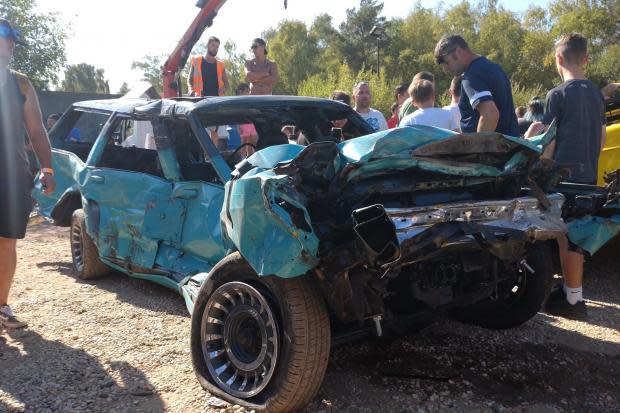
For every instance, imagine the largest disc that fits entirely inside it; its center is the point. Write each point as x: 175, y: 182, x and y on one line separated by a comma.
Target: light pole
x: 378, y: 32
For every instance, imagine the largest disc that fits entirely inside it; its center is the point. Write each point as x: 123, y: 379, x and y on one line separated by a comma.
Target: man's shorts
x: 15, y: 204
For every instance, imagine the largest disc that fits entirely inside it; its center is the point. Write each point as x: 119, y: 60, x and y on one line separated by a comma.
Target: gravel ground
x: 122, y: 345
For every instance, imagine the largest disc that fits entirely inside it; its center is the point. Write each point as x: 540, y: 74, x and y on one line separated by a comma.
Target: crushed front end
x: 397, y: 222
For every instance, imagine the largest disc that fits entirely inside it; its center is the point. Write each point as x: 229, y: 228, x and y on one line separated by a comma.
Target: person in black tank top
x: 19, y: 115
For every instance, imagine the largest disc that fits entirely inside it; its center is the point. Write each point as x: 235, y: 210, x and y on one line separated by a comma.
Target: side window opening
x: 78, y: 131
x: 195, y: 165
x: 131, y: 147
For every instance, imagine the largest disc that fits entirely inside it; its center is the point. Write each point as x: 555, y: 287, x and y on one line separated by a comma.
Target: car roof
x: 122, y: 105
x: 210, y: 104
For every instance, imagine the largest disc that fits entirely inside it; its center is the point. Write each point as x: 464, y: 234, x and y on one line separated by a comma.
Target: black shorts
x: 15, y: 204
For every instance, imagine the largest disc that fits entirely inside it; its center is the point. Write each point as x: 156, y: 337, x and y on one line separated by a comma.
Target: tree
x: 150, y: 66
x: 327, y: 41
x: 235, y: 64
x: 123, y: 89
x: 356, y: 47
x: 499, y: 32
x: 85, y: 78
x: 44, y: 55
x: 295, y: 51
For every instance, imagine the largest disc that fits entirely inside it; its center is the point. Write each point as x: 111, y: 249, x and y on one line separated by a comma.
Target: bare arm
x: 38, y: 136
x: 549, y: 151
x: 190, y: 76
x: 272, y: 77
x: 253, y: 76
x: 489, y: 116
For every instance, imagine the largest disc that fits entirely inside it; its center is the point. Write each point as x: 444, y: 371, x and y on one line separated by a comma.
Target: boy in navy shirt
x: 486, y: 97
x: 579, y: 110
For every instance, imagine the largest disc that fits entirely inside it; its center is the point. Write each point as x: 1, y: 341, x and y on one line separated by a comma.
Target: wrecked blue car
x: 278, y: 253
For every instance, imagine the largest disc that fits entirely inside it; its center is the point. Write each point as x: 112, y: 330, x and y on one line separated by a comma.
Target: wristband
x: 49, y: 171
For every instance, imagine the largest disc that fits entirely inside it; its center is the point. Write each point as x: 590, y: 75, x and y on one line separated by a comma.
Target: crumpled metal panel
x: 67, y: 167
x: 256, y: 221
x: 591, y: 232
x: 522, y: 214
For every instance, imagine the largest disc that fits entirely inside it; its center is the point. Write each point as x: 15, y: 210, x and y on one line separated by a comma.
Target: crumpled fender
x: 590, y: 233
x: 258, y: 219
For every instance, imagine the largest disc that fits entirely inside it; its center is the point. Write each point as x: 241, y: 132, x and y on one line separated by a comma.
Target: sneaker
x: 558, y: 306
x: 8, y: 320
x: 557, y: 294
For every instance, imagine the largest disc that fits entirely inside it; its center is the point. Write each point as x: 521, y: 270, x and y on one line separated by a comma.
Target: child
x: 577, y: 105
x: 423, y: 97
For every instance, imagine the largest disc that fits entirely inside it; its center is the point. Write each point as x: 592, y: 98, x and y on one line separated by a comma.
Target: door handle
x: 98, y: 179
x: 185, y: 193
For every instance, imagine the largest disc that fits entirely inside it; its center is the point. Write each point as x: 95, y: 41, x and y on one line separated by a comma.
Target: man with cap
x: 19, y: 113
x: 260, y: 72
x: 486, y: 95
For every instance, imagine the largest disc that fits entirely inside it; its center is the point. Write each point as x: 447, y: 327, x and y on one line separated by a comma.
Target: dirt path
x: 122, y: 345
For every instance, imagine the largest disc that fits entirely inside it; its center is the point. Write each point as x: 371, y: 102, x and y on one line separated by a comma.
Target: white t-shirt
x: 456, y: 112
x: 437, y: 117
x: 375, y: 119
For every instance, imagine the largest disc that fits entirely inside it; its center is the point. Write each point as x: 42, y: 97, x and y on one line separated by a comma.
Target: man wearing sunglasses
x: 486, y: 97
x: 260, y: 72
x: 19, y: 113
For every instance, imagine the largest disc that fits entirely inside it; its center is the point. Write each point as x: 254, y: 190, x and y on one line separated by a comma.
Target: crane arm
x: 177, y: 59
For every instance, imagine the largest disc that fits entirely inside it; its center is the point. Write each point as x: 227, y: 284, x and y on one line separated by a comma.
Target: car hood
x: 423, y: 147
x: 296, y: 200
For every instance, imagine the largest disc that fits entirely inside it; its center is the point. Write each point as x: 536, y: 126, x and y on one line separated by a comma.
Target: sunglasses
x: 440, y: 59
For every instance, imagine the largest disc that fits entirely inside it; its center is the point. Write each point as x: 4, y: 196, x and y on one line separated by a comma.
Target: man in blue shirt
x: 486, y: 97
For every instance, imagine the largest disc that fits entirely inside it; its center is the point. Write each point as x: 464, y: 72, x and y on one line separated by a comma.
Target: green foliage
x: 235, y: 63
x: 150, y: 66
x: 354, y: 45
x: 319, y: 59
x: 295, y: 50
x: 322, y: 85
x: 521, y: 94
x: 85, y: 78
x: 123, y: 89
x: 44, y: 53
x: 606, y: 67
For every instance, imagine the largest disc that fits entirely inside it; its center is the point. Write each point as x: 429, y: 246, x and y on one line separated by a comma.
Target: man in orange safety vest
x: 207, y: 75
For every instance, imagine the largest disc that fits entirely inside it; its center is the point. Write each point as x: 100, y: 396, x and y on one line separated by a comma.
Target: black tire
x: 86, y: 262
x: 302, y: 338
x: 515, y: 307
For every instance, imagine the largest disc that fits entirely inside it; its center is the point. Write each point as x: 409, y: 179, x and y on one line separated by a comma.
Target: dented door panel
x: 122, y: 198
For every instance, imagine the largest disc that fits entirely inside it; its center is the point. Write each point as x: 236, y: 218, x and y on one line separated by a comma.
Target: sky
x: 114, y: 33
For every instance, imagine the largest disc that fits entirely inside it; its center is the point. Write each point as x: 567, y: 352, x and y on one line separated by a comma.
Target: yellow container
x: 609, y: 160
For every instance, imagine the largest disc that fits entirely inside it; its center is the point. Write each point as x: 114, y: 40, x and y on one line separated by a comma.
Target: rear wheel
x: 86, y: 262
x: 263, y: 343
x: 518, y: 299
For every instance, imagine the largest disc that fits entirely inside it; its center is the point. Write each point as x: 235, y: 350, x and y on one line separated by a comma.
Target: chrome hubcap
x: 239, y: 339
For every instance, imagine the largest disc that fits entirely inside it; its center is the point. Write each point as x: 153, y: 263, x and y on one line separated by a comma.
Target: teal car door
x: 124, y: 191
x: 199, y: 192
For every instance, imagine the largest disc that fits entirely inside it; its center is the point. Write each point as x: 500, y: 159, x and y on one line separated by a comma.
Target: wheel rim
x: 239, y: 338
x: 77, y: 247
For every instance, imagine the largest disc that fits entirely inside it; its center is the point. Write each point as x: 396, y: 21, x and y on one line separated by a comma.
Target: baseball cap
x: 8, y: 32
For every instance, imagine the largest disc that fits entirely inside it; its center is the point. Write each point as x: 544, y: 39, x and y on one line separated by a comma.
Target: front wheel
x: 263, y: 343
x: 518, y: 299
